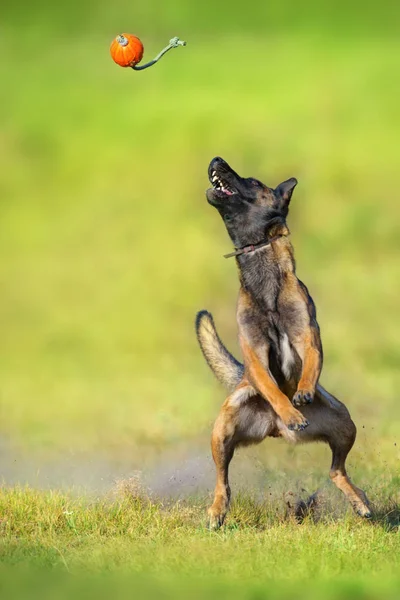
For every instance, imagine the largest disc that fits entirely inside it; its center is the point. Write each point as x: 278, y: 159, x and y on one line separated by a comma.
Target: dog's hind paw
x: 215, y: 522
x: 362, y: 508
x: 366, y: 514
x: 216, y: 517
x: 302, y: 397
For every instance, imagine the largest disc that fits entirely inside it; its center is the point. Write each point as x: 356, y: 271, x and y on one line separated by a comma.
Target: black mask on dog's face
x: 247, y: 206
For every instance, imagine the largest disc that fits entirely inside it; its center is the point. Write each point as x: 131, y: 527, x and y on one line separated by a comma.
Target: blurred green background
x: 108, y: 247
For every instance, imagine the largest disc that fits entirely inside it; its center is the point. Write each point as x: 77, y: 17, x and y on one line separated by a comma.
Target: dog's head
x: 248, y: 207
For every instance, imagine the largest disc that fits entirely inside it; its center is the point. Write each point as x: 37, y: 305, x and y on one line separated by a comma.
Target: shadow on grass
x: 317, y: 508
x: 387, y: 516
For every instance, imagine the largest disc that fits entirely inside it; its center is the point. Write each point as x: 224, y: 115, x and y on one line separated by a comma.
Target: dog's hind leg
x: 341, y: 437
x: 245, y: 418
x: 338, y: 475
x: 223, y: 448
x: 330, y: 422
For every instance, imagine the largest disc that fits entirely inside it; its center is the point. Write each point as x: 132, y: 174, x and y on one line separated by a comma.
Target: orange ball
x: 126, y: 50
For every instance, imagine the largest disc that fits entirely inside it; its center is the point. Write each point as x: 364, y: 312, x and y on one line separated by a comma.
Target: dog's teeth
x: 215, y: 178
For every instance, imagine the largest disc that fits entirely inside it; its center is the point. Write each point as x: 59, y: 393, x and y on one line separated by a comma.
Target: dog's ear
x: 284, y: 191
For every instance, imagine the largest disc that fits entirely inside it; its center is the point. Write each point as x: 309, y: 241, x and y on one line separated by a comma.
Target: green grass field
x: 168, y: 546
x: 108, y: 248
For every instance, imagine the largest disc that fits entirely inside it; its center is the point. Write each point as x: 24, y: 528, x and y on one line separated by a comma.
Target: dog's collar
x: 253, y: 247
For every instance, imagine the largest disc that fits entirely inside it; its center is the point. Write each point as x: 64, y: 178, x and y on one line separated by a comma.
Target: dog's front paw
x: 295, y: 421
x: 303, y: 397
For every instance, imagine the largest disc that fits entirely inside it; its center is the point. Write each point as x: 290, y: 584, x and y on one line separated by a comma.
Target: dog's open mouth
x: 224, y: 181
x: 219, y: 185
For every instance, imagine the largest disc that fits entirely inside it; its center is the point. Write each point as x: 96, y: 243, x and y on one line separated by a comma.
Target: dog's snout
x: 216, y: 163
x: 219, y: 164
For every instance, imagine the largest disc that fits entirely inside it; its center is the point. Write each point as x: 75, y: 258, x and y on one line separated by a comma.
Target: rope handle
x: 173, y: 43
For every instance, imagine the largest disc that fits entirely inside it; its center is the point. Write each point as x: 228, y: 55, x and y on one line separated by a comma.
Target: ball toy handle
x: 173, y: 43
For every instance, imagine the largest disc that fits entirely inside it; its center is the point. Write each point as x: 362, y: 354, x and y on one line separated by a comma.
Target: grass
x: 131, y: 533
x: 108, y: 249
x: 260, y: 552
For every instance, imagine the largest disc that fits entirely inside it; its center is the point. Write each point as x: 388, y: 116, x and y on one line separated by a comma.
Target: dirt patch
x: 179, y: 474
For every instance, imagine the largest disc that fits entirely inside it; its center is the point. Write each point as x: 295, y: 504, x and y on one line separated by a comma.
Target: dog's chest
x: 287, y: 359
x: 282, y: 357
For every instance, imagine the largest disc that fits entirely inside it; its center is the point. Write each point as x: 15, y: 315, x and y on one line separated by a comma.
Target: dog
x: 276, y: 391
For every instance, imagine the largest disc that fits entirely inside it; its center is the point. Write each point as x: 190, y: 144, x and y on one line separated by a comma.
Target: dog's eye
x: 255, y: 183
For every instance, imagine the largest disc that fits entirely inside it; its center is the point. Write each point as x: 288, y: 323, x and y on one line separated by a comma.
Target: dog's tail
x: 225, y: 367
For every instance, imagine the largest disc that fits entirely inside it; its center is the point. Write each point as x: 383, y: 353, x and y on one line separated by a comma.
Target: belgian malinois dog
x: 275, y: 392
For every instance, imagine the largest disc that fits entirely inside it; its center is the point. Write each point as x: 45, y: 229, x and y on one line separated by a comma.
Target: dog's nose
x: 217, y: 163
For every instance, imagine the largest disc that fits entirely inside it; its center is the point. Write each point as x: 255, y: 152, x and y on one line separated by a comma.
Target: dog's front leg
x: 261, y: 379
x: 310, y: 352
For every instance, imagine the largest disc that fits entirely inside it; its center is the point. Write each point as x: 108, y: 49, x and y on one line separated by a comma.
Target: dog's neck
x: 261, y: 271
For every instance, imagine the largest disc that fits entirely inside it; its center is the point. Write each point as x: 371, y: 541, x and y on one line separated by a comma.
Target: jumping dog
x: 275, y: 392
